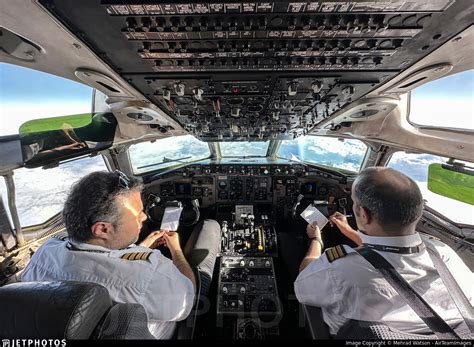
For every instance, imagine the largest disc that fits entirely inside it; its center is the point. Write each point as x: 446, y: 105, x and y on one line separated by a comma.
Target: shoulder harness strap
x: 136, y: 256
x: 335, y: 253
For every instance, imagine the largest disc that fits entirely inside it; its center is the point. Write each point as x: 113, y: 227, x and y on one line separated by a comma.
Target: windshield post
x: 12, y: 207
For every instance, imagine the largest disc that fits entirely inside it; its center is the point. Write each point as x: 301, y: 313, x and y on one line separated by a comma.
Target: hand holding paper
x: 313, y: 216
x: 171, y: 216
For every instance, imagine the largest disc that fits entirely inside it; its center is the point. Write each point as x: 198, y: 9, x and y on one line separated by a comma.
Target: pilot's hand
x: 172, y: 241
x: 154, y: 239
x: 339, y: 220
x: 313, y: 231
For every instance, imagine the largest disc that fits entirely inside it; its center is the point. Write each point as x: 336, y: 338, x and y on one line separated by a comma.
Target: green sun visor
x: 48, y: 141
x: 455, y: 181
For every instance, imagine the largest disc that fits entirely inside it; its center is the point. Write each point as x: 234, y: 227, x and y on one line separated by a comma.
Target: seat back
x: 122, y: 322
x: 67, y: 310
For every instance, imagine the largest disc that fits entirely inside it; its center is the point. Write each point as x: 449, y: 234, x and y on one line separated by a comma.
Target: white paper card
x: 313, y: 216
x: 171, y: 218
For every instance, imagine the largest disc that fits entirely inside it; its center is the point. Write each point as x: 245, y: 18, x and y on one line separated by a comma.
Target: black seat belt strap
x: 462, y: 302
x: 412, y: 298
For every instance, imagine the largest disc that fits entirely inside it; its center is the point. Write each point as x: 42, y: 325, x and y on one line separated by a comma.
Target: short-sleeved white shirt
x: 351, y: 288
x: 156, y: 283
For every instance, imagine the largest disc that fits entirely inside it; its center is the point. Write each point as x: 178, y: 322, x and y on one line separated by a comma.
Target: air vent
x: 103, y: 83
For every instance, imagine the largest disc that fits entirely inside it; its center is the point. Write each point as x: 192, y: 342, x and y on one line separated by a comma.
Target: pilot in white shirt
x: 133, y: 275
x: 103, y: 215
x: 387, y: 206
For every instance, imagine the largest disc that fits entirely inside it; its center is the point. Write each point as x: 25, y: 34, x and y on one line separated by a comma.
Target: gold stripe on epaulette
x: 335, y: 253
x: 136, y: 256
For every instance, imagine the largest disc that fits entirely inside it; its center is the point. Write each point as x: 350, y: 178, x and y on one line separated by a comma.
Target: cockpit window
x: 40, y: 194
x: 416, y: 167
x: 168, y: 152
x: 244, y: 149
x: 27, y: 94
x: 328, y: 151
x: 447, y: 102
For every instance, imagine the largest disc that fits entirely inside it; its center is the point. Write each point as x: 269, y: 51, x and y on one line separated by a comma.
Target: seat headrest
x: 63, y: 309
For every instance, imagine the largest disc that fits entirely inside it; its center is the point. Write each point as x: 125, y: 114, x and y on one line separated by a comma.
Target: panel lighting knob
x: 146, y: 23
x: 218, y: 24
x: 291, y: 23
x: 203, y: 24
x: 306, y: 23
x: 131, y: 23
x: 233, y: 24
x: 188, y: 24
x: 174, y: 24
x: 160, y: 24
x: 262, y: 23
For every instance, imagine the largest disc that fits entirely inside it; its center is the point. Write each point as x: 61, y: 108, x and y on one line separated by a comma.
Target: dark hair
x: 91, y: 200
x: 391, y: 197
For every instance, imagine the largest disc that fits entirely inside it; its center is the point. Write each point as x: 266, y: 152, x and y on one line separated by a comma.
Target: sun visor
x: 48, y: 141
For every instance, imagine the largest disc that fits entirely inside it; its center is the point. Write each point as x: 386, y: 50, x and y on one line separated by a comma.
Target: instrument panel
x: 275, y: 186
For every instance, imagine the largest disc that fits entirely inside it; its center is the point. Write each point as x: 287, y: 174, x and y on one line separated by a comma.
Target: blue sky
x: 28, y: 94
x: 17, y: 81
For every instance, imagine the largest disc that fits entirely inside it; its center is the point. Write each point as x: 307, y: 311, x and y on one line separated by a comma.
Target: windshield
x: 163, y: 153
x: 327, y: 151
x: 244, y: 149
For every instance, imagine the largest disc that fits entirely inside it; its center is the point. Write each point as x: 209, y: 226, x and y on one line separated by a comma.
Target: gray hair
x: 91, y: 200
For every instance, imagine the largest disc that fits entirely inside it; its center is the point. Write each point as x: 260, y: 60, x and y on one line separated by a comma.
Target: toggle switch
x: 292, y: 88
x: 179, y: 89
x: 198, y: 93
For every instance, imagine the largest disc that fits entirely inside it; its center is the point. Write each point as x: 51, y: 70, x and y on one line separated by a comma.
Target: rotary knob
x: 225, y: 290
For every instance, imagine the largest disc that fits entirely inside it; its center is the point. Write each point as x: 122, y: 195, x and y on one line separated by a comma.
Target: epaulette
x: 61, y: 236
x: 136, y: 256
x: 335, y: 253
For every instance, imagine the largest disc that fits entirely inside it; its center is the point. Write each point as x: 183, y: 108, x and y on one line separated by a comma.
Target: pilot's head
x: 106, y: 209
x: 386, y: 202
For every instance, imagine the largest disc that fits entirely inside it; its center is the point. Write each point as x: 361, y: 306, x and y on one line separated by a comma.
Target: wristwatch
x: 317, y: 238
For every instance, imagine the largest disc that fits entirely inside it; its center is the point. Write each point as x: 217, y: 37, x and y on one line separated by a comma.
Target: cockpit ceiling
x: 259, y: 70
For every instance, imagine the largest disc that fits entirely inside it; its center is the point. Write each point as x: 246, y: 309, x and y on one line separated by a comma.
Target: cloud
x: 147, y: 153
x: 40, y: 194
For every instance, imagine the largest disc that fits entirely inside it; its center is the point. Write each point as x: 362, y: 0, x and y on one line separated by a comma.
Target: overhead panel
x: 259, y: 70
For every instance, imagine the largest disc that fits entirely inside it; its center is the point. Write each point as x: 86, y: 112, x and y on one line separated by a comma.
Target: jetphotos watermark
x: 33, y: 343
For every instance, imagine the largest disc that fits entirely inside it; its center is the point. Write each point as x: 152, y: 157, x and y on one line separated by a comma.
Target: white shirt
x: 351, y: 288
x: 156, y: 283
